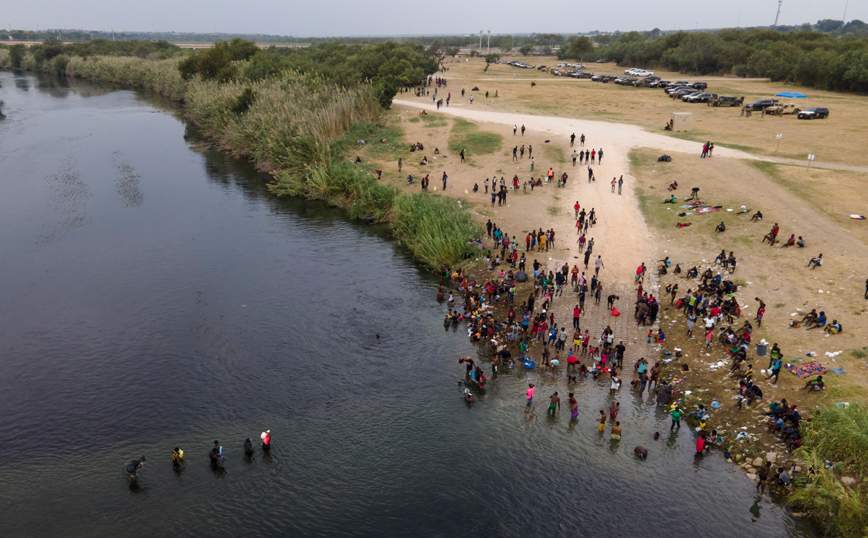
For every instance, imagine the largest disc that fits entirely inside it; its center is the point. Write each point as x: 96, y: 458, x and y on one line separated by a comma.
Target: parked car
x: 686, y: 97
x: 726, y: 100
x: 703, y: 97
x: 678, y: 94
x: 646, y: 82
x: 699, y: 85
x: 814, y: 112
x: 671, y: 90
x: 601, y: 61
x: 761, y: 104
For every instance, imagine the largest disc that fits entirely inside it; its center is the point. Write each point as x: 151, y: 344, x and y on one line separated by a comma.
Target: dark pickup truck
x: 761, y: 104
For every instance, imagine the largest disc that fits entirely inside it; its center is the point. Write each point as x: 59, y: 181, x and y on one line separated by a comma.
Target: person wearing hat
x: 266, y: 440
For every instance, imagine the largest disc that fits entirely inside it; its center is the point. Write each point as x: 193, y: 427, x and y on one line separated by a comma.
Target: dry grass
x: 840, y: 138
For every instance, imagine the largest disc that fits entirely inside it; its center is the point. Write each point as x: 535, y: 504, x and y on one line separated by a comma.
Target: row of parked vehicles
x: 776, y: 108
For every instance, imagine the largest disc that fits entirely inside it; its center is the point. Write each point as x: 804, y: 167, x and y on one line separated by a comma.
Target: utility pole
x: 780, y: 2
x: 489, y: 41
x: 844, y: 18
x: 480, y: 40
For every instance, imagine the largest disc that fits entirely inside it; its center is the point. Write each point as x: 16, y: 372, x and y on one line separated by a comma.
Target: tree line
x: 387, y: 66
x: 829, y: 61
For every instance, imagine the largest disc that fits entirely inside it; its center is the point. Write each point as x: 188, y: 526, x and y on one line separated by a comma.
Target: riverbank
x: 779, y: 277
x: 300, y: 129
x: 552, y: 207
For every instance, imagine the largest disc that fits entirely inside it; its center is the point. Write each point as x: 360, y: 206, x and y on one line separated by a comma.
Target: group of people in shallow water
x: 215, y: 455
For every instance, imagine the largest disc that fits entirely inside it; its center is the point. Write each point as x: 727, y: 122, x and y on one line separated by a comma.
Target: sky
x: 326, y: 18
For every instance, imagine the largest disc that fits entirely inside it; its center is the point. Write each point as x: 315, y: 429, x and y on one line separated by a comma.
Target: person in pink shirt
x: 530, y: 390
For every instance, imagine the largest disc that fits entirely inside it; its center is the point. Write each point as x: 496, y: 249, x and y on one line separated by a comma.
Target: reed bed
x: 161, y: 76
x: 839, y: 436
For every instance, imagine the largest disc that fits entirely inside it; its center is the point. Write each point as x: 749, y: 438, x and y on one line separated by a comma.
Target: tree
x: 577, y: 49
x: 526, y: 49
x: 452, y: 51
x: 16, y: 54
x: 491, y: 59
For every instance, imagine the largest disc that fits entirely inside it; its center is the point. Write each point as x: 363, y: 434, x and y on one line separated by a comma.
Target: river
x: 153, y: 295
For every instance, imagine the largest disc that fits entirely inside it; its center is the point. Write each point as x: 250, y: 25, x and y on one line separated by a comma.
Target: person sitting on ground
x: 816, y: 262
x: 801, y: 242
x: 720, y: 227
x: 809, y: 317
x: 436, y: 151
x: 758, y: 216
x: 815, y: 384
x: 819, y: 321
x: 424, y: 160
x: 670, y: 200
x: 410, y: 179
x: 790, y: 242
x: 673, y: 186
x: 833, y: 328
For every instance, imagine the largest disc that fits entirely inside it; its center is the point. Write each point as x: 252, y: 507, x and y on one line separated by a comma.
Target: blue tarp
x: 792, y: 95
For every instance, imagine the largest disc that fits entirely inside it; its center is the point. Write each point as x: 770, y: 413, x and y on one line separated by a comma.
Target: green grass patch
x: 466, y: 135
x: 434, y: 120
x: 372, y: 133
x: 739, y: 147
x: 860, y: 353
x: 767, y: 168
x: 554, y: 153
x: 654, y: 212
x: 554, y: 211
x: 414, y: 119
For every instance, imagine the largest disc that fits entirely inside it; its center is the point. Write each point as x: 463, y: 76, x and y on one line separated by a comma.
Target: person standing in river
x: 177, y: 456
x: 554, y: 399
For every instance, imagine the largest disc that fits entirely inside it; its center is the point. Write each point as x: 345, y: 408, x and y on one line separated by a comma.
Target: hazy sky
x: 395, y: 17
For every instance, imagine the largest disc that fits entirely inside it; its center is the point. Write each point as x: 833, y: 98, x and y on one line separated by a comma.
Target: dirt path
x: 620, y: 136
x: 621, y: 235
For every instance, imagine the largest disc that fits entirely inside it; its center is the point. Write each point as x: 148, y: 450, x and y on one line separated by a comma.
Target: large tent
x: 792, y: 95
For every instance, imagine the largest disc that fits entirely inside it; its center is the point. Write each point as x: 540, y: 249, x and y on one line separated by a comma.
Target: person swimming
x: 641, y: 451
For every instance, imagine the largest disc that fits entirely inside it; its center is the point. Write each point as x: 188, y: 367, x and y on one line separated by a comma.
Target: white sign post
x: 779, y: 141
x: 810, y: 159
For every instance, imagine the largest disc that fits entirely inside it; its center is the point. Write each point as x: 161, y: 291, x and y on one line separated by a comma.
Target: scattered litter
x: 839, y: 371
x: 831, y: 354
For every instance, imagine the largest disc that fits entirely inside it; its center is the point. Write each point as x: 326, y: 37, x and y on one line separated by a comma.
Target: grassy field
x: 840, y: 138
x: 466, y: 135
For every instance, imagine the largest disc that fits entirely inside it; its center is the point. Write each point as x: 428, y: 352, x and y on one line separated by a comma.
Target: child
x: 709, y: 336
x: 585, y: 339
x: 650, y: 334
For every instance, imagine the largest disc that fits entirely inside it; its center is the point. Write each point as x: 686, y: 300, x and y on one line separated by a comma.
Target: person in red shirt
x: 577, y: 207
x: 266, y: 440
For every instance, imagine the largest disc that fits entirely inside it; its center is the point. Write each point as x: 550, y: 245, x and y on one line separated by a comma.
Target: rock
x: 752, y: 476
x: 848, y: 480
x: 738, y: 458
x: 772, y: 456
x: 758, y: 462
